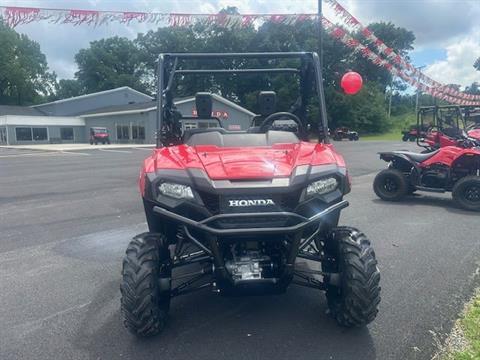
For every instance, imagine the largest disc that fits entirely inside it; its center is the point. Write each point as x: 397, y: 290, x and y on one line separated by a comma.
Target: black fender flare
x: 400, y: 161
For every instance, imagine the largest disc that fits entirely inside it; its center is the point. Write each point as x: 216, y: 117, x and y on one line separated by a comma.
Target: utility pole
x: 390, y: 100
x: 418, y: 90
x: 320, y: 33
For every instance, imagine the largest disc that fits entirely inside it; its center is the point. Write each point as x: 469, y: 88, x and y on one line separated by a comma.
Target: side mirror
x: 351, y: 83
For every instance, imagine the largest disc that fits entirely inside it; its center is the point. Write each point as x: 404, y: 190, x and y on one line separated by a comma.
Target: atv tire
x: 146, y: 284
x: 466, y: 192
x: 354, y: 301
x: 390, y: 185
x: 405, y: 137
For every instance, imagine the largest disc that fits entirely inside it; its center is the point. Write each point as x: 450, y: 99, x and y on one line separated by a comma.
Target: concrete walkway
x: 73, y: 147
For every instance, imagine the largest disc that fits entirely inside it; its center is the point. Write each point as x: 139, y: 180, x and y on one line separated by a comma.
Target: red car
x: 238, y: 208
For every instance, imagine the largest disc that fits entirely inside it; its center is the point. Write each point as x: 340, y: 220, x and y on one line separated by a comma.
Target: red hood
x: 475, y: 133
x: 222, y: 163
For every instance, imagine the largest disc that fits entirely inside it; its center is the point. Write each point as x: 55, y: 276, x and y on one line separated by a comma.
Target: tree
x: 473, y: 89
x: 67, y: 88
x: 364, y: 112
x: 476, y: 65
x: 399, y: 39
x: 24, y: 76
x: 109, y: 63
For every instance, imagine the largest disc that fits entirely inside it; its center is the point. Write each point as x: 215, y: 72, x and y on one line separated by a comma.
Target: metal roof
x: 95, y: 94
x: 19, y: 110
x: 152, y: 106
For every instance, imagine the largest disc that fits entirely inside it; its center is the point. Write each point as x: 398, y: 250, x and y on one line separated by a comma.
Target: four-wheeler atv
x: 450, y: 168
x: 239, y: 208
x: 345, y: 133
x: 99, y: 135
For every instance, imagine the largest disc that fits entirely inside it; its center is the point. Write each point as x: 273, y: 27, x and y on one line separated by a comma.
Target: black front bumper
x: 298, y: 222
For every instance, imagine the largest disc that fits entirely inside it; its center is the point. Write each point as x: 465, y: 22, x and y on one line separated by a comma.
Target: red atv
x: 450, y: 168
x: 99, y: 135
x: 232, y: 211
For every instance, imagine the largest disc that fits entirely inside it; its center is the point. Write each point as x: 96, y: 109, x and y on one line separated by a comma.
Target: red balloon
x: 351, y: 82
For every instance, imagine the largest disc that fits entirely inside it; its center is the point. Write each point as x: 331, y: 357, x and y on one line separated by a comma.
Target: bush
x: 364, y: 112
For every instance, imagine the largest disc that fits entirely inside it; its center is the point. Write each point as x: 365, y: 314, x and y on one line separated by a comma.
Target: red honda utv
x: 472, y: 119
x: 444, y: 126
x: 234, y: 211
x: 99, y: 135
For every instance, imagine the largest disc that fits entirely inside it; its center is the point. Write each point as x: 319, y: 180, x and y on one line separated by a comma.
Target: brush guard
x: 300, y: 247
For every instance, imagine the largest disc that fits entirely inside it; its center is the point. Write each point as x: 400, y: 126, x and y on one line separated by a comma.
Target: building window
x: 66, y: 133
x: 40, y: 134
x: 123, y: 132
x: 190, y: 125
x: 207, y: 124
x: 138, y: 132
x: 23, y: 133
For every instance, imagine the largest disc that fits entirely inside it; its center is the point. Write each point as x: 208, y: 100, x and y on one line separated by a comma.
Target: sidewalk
x: 74, y: 147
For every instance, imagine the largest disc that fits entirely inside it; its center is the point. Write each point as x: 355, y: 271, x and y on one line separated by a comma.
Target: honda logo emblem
x: 256, y: 202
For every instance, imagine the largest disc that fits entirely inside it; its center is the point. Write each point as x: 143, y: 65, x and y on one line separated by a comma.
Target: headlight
x: 176, y: 191
x: 322, y: 186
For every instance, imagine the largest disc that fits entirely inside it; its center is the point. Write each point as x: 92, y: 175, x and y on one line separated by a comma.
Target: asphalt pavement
x: 66, y: 219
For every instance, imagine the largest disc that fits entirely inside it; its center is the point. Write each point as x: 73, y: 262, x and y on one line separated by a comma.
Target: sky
x: 447, y: 31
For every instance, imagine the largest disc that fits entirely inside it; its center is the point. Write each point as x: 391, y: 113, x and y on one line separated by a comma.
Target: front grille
x: 284, y: 202
x: 252, y: 222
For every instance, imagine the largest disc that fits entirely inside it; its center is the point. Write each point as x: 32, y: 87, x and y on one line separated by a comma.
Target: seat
x: 222, y: 138
x: 417, y: 157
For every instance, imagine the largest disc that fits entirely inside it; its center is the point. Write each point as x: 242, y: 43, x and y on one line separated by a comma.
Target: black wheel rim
x: 472, y: 194
x: 390, y: 185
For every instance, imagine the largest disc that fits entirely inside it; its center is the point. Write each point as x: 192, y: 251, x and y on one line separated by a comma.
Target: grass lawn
x: 394, y: 135
x: 469, y: 325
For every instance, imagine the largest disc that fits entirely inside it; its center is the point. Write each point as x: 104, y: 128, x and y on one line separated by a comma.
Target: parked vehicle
x: 239, y: 208
x: 452, y: 169
x: 413, y: 133
x: 99, y: 135
x: 345, y: 133
x: 472, y: 120
x: 444, y: 126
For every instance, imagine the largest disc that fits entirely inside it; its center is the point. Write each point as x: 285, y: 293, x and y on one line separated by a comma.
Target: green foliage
x: 397, y: 38
x: 67, y: 88
x: 364, y: 112
x: 473, y: 89
x: 24, y: 75
x: 109, y: 63
x: 470, y: 329
x: 116, y: 61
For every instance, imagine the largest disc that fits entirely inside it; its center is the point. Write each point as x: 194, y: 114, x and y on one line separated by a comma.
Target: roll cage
x: 171, y: 65
x: 440, y: 118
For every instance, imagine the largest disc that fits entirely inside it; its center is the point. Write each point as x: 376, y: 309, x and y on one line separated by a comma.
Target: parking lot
x: 67, y: 217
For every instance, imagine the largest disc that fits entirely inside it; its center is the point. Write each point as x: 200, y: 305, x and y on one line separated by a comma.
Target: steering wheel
x: 270, y: 119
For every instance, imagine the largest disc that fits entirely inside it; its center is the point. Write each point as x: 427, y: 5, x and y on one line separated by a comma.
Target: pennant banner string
x: 15, y: 16
x: 391, y: 55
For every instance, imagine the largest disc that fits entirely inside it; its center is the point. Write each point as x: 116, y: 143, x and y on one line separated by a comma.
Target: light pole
x: 418, y: 89
x: 390, y: 99
x: 320, y: 33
